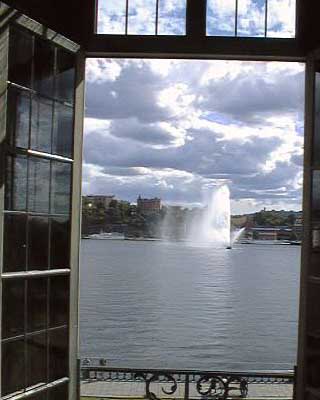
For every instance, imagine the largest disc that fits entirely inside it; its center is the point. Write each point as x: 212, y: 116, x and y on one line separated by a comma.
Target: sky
x: 174, y: 128
x: 220, y: 17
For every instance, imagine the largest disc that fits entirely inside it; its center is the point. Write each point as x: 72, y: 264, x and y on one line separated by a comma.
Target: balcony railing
x: 154, y: 384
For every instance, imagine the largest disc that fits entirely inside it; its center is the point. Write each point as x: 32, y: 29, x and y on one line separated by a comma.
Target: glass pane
x: 41, y: 124
x: 20, y: 57
x: 251, y: 17
x: 18, y: 121
x: 63, y: 130
x: 14, y: 243
x: 59, y: 301
x: 13, y: 367
x: 39, y: 181
x: 37, y: 359
x: 59, y: 393
x: 221, y: 17
x: 316, y: 138
x: 142, y: 17
x: 58, y: 354
x: 38, y: 250
x: 43, y: 67
x: 16, y: 183
x: 65, y: 79
x: 36, y: 304
x: 172, y: 17
x: 60, y: 243
x: 281, y: 18
x: 111, y: 16
x: 13, y: 302
x: 61, y: 187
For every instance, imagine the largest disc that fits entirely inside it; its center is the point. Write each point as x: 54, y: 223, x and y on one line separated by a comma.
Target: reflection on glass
x: 65, y: 77
x: 16, y: 183
x: 281, y: 18
x: 39, y: 181
x: 61, y: 186
x: 38, y: 250
x: 36, y: 304
x: 60, y: 243
x: 18, y: 117
x: 13, y: 367
x: 111, y: 17
x: 20, y: 57
x: 59, y: 301
x: 251, y: 17
x: 41, y: 124
x: 58, y: 354
x: 142, y: 17
x: 59, y: 392
x: 37, y: 359
x: 43, y: 67
x: 316, y: 134
x: 13, y: 308
x: 221, y: 17
x: 63, y: 131
x: 14, y: 243
x: 172, y: 17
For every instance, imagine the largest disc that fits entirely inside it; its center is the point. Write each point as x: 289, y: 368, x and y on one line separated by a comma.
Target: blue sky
x: 220, y: 17
x: 170, y: 128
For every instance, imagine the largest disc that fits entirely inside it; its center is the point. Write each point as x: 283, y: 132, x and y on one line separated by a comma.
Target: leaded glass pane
x: 13, y: 367
x: 37, y: 359
x: 13, y: 300
x: 61, y: 188
x: 221, y: 17
x: 43, y: 67
x: 58, y: 354
x: 38, y: 251
x: 39, y: 182
x: 18, y: 120
x: 60, y: 243
x: 63, y: 130
x: 59, y: 300
x: 16, y: 183
x: 41, y: 124
x: 36, y: 304
x: 20, y: 57
x: 14, y: 243
x: 172, y: 17
x: 111, y: 16
x: 65, y: 77
x: 142, y: 17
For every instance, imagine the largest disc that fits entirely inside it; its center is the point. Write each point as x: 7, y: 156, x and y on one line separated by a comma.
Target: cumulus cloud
x: 169, y: 128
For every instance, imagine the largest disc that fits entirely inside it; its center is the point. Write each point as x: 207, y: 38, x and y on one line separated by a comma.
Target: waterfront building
x: 148, y: 206
x: 43, y: 48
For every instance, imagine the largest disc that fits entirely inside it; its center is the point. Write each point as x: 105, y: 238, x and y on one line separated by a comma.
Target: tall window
x: 36, y: 259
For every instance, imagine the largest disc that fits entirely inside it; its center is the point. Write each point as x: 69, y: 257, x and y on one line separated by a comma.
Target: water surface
x: 172, y: 305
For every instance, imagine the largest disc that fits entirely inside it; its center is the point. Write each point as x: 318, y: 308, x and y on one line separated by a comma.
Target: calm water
x: 154, y: 304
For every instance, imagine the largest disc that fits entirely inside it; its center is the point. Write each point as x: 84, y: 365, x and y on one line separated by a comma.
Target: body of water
x: 173, y: 305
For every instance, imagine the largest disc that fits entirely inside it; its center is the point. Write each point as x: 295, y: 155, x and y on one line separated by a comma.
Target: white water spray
x: 214, y: 225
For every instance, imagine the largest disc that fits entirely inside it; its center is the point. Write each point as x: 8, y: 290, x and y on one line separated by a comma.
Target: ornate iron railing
x: 187, y: 384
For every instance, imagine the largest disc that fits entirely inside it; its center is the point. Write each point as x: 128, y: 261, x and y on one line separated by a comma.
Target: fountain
x: 214, y: 226
x: 208, y: 226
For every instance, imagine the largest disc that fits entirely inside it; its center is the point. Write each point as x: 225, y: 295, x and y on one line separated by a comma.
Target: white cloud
x: 167, y: 128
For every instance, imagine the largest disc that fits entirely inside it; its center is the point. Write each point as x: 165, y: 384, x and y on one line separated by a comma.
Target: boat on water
x: 106, y: 236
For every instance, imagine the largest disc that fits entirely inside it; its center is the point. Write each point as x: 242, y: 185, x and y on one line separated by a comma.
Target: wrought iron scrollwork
x: 162, y: 378
x: 217, y: 387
